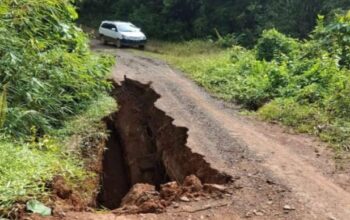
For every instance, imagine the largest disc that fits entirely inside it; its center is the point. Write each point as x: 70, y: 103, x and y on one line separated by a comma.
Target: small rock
x: 331, y: 217
x: 202, y: 217
x: 185, y: 199
x: 61, y: 214
x: 258, y: 213
x: 192, y: 183
x: 288, y: 208
x: 237, y: 186
x: 170, y: 191
x: 249, y: 214
x: 219, y: 196
x: 176, y: 205
x: 270, y: 182
x: 142, y: 198
x: 136, y: 192
x: 269, y: 202
x: 214, y: 187
x: 235, y: 178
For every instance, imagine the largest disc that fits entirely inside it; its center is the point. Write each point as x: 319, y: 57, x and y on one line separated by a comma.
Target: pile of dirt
x: 144, y: 198
x: 64, y: 198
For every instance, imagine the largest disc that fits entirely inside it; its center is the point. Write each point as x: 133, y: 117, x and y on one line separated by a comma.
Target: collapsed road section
x: 146, y: 147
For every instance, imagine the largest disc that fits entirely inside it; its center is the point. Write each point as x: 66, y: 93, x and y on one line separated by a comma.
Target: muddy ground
x: 275, y: 174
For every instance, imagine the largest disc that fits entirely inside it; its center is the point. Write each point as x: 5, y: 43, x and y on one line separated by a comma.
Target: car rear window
x: 108, y: 26
x: 105, y: 25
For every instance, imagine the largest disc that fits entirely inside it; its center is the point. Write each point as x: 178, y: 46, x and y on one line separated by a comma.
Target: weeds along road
x: 276, y: 175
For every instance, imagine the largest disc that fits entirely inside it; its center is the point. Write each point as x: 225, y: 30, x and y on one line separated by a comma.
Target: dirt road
x: 277, y: 175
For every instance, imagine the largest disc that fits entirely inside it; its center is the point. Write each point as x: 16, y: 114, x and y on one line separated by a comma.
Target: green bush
x: 334, y: 37
x: 226, y: 41
x: 338, y: 101
x: 247, y: 81
x: 252, y: 82
x: 311, y: 80
x: 275, y: 46
x: 46, y: 64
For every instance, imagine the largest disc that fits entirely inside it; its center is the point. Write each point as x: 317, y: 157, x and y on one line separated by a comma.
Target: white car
x: 122, y: 34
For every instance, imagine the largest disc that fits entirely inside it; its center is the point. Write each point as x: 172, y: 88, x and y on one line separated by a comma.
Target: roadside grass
x: 187, y: 48
x: 27, y: 166
x: 89, y: 123
x: 195, y: 58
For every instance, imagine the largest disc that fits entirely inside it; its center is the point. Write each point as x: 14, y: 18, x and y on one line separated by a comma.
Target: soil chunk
x: 142, y: 198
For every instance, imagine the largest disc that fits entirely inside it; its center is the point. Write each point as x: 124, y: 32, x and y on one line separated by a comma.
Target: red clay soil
x: 144, y: 198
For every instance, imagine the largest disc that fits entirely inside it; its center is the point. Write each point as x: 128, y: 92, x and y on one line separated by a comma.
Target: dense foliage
x: 49, y: 79
x: 46, y: 68
x: 305, y: 85
x: 184, y: 19
x: 273, y: 45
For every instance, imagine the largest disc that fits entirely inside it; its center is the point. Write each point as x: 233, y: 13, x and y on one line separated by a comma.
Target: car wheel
x: 118, y: 44
x: 104, y: 39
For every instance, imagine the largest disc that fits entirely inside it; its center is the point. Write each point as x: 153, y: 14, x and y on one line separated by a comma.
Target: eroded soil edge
x: 146, y: 147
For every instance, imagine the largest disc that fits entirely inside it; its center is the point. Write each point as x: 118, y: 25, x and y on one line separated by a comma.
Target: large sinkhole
x: 145, y: 147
